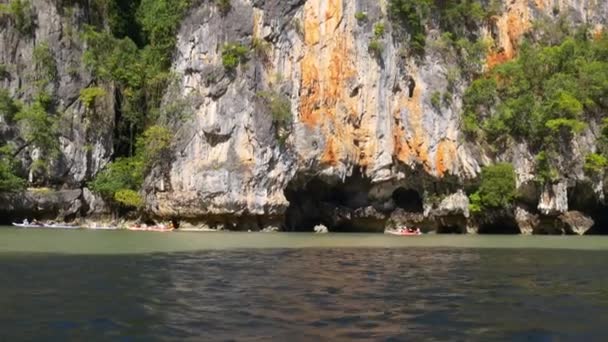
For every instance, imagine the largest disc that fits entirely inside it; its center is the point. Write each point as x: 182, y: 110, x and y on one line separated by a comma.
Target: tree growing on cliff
x: 121, y: 180
x: 22, y: 15
x: 9, y: 181
x: 233, y: 54
x: 496, y: 190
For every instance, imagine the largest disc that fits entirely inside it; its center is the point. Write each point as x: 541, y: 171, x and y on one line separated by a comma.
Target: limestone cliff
x: 85, y: 138
x: 364, y: 124
x: 330, y: 117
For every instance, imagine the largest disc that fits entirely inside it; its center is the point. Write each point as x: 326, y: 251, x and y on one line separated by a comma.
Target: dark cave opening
x: 340, y: 206
x: 8, y: 217
x: 600, y: 218
x: 581, y: 197
x: 500, y: 226
x: 450, y: 229
x: 408, y: 200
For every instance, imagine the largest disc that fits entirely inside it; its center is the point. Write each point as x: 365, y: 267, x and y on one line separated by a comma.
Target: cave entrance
x: 341, y: 207
x: 450, y: 229
x: 600, y: 218
x: 501, y: 226
x: 408, y: 200
x: 581, y: 197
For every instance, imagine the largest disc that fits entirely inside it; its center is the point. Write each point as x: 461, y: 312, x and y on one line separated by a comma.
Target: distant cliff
x: 355, y: 114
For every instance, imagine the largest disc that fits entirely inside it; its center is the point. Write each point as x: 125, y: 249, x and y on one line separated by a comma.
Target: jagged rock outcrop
x: 41, y: 203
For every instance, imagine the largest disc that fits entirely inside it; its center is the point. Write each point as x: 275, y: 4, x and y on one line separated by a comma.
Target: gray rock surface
x: 576, y: 222
x: 42, y: 204
x: 354, y: 115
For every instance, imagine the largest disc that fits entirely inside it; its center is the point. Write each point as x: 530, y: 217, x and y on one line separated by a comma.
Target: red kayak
x: 404, y: 232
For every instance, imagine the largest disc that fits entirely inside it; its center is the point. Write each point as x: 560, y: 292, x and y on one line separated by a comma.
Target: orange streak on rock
x: 311, y: 24
x: 412, y: 148
x: 497, y: 58
x: 511, y: 25
x: 329, y: 156
x: 327, y: 67
x: 311, y: 91
x: 402, y: 150
x: 444, y: 159
x: 333, y: 15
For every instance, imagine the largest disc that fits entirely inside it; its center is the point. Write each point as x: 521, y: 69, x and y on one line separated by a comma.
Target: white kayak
x: 27, y: 225
x: 59, y: 226
x: 102, y: 228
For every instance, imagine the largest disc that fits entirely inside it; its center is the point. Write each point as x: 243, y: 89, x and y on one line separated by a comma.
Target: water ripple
x: 308, y: 295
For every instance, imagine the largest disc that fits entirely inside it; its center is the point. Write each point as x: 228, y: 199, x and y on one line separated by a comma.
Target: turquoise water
x: 136, y: 286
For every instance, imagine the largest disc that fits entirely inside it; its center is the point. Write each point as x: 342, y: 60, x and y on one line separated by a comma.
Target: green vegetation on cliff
x: 496, y: 190
x: 21, y: 14
x: 121, y: 180
x: 135, y: 56
x: 545, y: 97
x: 459, y: 20
x: 8, y: 180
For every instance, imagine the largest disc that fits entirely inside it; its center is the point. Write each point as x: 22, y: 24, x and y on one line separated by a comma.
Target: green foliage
x: 545, y: 91
x: 46, y: 66
x: 497, y: 189
x: 279, y: 106
x: 436, y: 100
x: 154, y: 145
x: 135, y: 55
x: 22, y: 15
x: 39, y: 127
x: 9, y: 182
x: 478, y: 100
x: 572, y: 126
x: 376, y: 47
x: 459, y: 20
x: 128, y: 198
x: 595, y: 163
x: 224, y: 6
x: 89, y: 95
x: 545, y: 173
x: 8, y: 106
x: 121, y: 180
x: 475, y: 205
x: 409, y: 16
x: 379, y: 30
x: 4, y: 73
x: 121, y: 174
x: 261, y: 47
x: 234, y: 54
x: 361, y: 16
x: 159, y: 20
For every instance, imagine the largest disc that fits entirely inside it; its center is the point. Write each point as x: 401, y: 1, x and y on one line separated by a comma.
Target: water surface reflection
x: 308, y: 294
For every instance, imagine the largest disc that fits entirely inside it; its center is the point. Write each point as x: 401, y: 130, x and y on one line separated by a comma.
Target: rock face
x: 44, y: 203
x: 86, y: 139
x: 85, y: 143
x: 312, y: 127
x: 355, y: 114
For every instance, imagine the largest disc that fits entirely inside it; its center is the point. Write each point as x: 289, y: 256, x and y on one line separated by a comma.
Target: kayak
x: 103, y: 228
x: 151, y: 229
x: 403, y: 232
x: 27, y: 225
x: 59, y: 226
x: 45, y: 226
